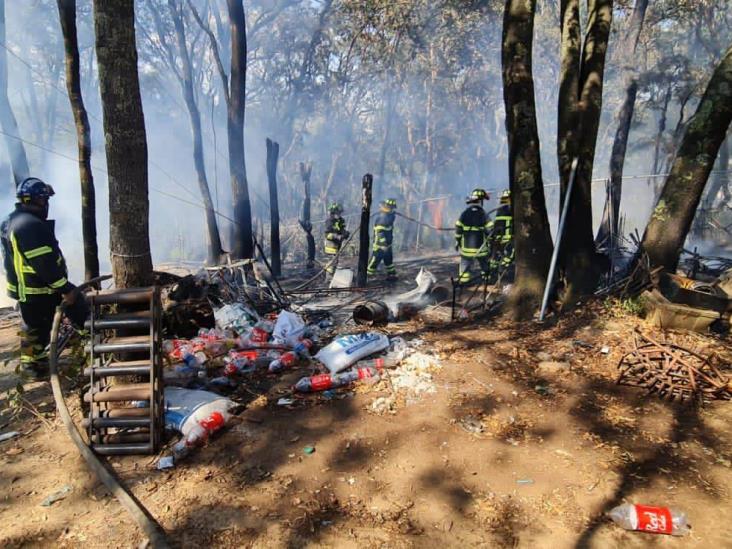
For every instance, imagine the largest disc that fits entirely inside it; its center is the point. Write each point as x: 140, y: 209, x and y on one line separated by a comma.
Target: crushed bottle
x: 323, y: 382
x: 656, y: 520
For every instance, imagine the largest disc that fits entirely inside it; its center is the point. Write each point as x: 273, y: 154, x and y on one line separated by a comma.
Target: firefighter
x: 335, y: 235
x: 36, y: 273
x: 501, y: 237
x: 383, y: 238
x: 471, y: 237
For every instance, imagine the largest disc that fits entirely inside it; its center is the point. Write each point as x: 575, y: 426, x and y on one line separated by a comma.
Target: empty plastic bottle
x: 238, y: 366
x: 323, y: 382
x: 286, y: 361
x: 199, y: 434
x: 302, y: 349
x: 644, y: 518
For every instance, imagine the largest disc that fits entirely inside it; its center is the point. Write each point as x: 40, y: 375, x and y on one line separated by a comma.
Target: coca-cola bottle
x: 644, y: 518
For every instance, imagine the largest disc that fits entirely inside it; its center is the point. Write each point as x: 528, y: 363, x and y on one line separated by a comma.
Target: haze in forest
x: 408, y: 91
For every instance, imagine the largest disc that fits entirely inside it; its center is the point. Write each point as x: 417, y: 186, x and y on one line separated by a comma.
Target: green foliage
x: 615, y: 307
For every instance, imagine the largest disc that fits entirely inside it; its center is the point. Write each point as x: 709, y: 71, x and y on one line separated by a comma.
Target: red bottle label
x: 212, y: 423
x: 364, y: 373
x: 654, y: 519
x: 258, y: 335
x: 321, y: 382
x: 289, y: 359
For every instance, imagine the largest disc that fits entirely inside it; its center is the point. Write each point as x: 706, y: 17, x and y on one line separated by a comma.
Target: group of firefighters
x: 37, y: 275
x: 478, y: 238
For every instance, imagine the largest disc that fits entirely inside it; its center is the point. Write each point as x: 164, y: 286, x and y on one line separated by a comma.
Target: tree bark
x: 363, y: 241
x: 305, y: 220
x: 611, y: 214
x: 674, y: 212
x: 67, y: 17
x: 243, y: 246
x: 579, y: 259
x: 568, y: 90
x: 16, y: 150
x: 273, y: 152
x: 532, y: 239
x: 126, y: 143
x: 215, y: 250
x: 720, y: 178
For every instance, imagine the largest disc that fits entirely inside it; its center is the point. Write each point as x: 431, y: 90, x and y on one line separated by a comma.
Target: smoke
x: 329, y: 81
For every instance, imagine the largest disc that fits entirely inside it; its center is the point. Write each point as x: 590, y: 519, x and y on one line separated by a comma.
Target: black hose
x: 145, y: 521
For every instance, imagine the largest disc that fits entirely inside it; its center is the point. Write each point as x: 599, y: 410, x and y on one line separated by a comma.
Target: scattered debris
x: 9, y: 435
x: 671, y: 371
x: 309, y: 450
x: 56, y: 496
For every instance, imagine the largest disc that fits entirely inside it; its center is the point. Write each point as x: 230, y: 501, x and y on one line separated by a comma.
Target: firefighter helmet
x: 335, y: 208
x: 478, y: 195
x: 506, y: 197
x: 32, y: 187
x: 388, y: 205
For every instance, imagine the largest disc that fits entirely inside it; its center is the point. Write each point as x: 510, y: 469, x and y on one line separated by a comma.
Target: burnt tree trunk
x: 305, y: 221
x: 273, y: 153
x: 67, y: 17
x: 16, y: 150
x: 674, y: 212
x: 611, y: 214
x: 579, y: 121
x: 185, y: 78
x: 242, y: 246
x: 363, y: 240
x: 126, y: 143
x: 532, y: 239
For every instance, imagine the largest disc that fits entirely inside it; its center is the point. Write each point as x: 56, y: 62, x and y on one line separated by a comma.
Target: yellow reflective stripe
x: 382, y: 228
x: 59, y: 283
x: 12, y: 287
x: 38, y: 291
x: 28, y: 269
x: 330, y: 250
x: 35, y: 252
x: 459, y: 223
x: 18, y: 266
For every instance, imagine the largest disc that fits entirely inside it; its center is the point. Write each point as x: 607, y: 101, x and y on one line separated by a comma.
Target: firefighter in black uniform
x: 36, y: 273
x: 335, y: 235
x: 383, y: 238
x: 471, y: 237
x: 501, y: 237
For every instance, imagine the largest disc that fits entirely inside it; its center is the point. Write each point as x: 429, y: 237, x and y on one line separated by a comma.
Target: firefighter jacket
x: 335, y: 233
x: 471, y: 231
x: 501, y: 228
x: 383, y: 231
x: 33, y: 260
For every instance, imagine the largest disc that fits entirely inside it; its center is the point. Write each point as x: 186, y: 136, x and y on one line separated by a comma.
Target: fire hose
x: 142, y: 516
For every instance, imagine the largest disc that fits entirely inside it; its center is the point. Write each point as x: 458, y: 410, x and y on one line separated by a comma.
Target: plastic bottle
x: 238, y: 366
x: 199, y: 433
x: 287, y: 360
x: 302, y: 349
x: 644, y: 518
x: 377, y: 363
x: 323, y: 382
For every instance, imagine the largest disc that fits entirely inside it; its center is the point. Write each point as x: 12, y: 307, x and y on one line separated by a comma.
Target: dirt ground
x: 503, y: 454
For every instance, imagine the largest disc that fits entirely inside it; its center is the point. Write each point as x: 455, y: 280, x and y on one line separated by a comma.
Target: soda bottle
x: 323, y: 382
x: 377, y: 363
x: 302, y: 349
x: 286, y: 361
x: 199, y: 434
x: 644, y: 518
x: 238, y: 366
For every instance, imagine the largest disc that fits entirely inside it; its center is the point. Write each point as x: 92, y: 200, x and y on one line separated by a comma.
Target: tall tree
x: 532, y: 239
x: 674, y: 212
x: 580, y: 102
x: 273, y: 153
x: 243, y: 246
x: 611, y: 214
x: 16, y: 150
x: 67, y: 16
x: 126, y: 142
x: 184, y: 75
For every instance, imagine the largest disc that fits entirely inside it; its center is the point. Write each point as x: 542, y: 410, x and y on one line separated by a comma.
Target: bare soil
x: 503, y: 454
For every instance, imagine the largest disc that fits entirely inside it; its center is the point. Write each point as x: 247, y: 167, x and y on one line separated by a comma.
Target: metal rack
x: 125, y: 417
